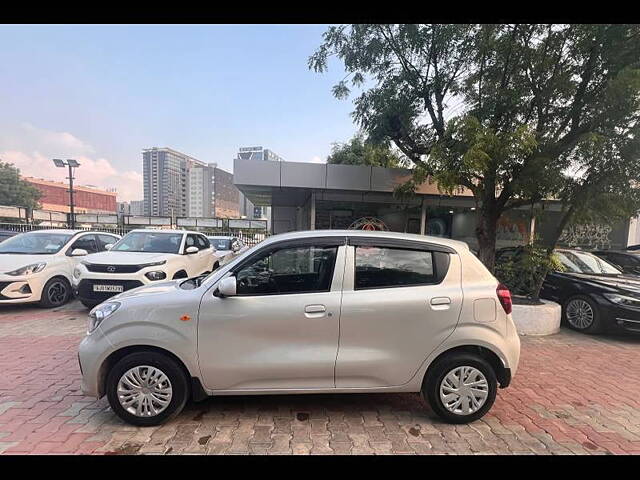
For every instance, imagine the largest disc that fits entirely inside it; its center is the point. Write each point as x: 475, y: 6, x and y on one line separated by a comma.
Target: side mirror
x: 79, y: 252
x: 227, y: 287
x: 108, y: 246
x: 191, y: 250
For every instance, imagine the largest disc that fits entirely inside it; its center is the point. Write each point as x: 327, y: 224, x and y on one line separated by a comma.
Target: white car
x: 227, y: 248
x: 142, y: 257
x: 37, y: 266
x: 334, y: 311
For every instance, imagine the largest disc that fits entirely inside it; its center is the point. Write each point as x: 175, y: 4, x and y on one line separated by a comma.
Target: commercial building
x: 134, y: 207
x: 319, y: 196
x: 212, y: 192
x: 55, y: 197
x: 165, y: 181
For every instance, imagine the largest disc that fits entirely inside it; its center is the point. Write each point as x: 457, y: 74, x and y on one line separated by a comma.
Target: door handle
x: 440, y: 303
x: 315, y: 309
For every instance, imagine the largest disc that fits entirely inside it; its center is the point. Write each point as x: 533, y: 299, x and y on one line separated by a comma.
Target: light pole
x: 71, y: 163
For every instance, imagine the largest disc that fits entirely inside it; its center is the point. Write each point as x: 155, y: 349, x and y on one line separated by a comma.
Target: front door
x: 281, y: 329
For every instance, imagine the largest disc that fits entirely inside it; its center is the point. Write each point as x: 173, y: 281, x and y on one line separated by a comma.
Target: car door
x: 192, y: 261
x: 205, y: 254
x: 400, y: 301
x: 281, y: 329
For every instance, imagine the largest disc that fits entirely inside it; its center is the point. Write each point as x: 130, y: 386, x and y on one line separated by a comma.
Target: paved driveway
x: 573, y: 394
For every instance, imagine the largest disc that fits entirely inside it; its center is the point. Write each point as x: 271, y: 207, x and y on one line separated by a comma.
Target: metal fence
x: 250, y: 238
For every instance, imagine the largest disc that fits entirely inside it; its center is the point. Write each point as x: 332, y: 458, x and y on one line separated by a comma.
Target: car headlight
x: 624, y: 300
x: 29, y: 269
x: 156, y: 275
x: 100, y: 313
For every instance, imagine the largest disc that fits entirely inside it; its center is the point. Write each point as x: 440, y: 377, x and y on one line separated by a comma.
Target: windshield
x: 221, y: 243
x: 150, y: 242
x: 35, y: 243
x: 583, y: 262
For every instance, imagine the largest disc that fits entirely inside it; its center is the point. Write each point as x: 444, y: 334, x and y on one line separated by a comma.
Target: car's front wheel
x: 581, y: 313
x: 461, y: 387
x: 56, y: 292
x: 147, y: 388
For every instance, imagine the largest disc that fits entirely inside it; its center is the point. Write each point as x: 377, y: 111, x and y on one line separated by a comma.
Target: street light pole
x: 71, y: 163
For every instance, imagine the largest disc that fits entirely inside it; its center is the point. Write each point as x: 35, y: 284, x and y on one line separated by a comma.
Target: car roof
x: 622, y: 252
x: 455, y: 244
x: 220, y: 237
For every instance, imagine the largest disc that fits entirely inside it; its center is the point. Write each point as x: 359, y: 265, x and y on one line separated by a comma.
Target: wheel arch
x: 196, y: 390
x: 503, y: 374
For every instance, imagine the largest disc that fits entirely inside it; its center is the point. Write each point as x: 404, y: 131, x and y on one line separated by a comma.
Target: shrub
x: 524, y: 271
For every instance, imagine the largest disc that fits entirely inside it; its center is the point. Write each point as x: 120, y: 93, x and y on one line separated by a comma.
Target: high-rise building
x: 258, y: 153
x: 248, y: 209
x: 201, y: 190
x: 166, y: 178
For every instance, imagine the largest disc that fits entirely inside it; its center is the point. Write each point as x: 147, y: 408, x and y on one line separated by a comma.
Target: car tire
x: 88, y: 304
x: 171, y: 383
x: 582, y: 314
x: 55, y: 293
x: 439, y: 381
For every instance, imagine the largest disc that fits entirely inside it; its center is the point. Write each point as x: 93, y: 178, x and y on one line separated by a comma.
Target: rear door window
x: 382, y: 267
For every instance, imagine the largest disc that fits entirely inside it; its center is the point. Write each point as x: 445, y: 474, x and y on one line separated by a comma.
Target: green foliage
x: 524, y: 272
x: 358, y: 151
x: 515, y: 113
x: 14, y: 191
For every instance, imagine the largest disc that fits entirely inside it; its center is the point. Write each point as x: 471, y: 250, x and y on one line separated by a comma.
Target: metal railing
x: 248, y: 238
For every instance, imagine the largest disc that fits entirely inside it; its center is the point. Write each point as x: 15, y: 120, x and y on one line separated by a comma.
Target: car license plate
x: 108, y: 288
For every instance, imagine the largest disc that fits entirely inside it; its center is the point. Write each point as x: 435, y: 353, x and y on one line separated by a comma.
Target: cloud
x: 34, y: 150
x: 317, y: 159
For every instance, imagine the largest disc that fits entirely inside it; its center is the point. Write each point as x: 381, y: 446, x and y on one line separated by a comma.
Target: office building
x: 55, y: 197
x: 165, y: 179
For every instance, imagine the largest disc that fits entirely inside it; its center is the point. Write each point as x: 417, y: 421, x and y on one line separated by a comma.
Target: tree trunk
x: 552, y: 246
x: 486, y: 229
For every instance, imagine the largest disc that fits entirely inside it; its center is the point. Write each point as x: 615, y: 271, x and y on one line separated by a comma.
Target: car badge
x: 111, y: 269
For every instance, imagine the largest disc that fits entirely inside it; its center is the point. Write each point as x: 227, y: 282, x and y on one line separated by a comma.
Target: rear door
x: 401, y: 299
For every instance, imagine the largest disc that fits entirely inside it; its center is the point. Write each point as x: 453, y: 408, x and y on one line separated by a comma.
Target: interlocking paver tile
x: 573, y: 394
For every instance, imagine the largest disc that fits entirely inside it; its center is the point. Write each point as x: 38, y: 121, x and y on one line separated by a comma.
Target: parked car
x: 310, y: 312
x: 594, y: 294
x: 626, y: 261
x: 227, y: 248
x: 4, y: 234
x: 142, y: 257
x: 38, y: 265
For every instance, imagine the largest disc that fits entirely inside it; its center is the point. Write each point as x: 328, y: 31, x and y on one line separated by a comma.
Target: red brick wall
x: 58, y: 195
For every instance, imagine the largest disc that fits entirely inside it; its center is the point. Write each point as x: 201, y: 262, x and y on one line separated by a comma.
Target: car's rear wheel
x: 461, y: 387
x: 147, y: 388
x: 581, y: 313
x: 56, y: 292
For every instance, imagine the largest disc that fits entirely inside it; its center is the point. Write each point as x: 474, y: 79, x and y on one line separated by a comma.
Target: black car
x: 627, y: 261
x: 594, y: 294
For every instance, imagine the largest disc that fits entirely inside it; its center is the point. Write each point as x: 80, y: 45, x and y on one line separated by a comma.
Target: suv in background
x: 142, y: 257
x: 339, y: 311
x: 626, y: 261
x: 227, y: 248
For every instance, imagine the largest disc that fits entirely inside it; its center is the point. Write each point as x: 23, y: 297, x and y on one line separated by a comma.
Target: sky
x: 100, y: 94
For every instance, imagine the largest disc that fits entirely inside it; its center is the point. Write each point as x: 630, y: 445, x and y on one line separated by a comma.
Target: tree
x: 358, y: 151
x: 14, y: 191
x: 507, y: 111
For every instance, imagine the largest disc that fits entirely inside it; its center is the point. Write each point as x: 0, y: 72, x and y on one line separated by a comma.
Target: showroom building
x: 311, y: 196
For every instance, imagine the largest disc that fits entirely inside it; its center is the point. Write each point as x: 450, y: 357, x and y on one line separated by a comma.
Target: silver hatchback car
x: 310, y: 312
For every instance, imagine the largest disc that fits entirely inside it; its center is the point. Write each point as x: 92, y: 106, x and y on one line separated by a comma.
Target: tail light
x: 504, y: 295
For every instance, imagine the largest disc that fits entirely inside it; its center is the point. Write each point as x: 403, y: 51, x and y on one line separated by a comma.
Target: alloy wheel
x: 579, y: 314
x: 57, y: 293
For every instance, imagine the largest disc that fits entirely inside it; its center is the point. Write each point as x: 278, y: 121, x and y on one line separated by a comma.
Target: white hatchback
x: 37, y: 266
x: 142, y: 257
x: 310, y: 312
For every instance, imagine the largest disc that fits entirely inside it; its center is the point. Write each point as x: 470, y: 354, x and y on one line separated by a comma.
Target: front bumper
x: 92, y: 352
x: 619, y: 318
x: 19, y: 289
x: 84, y: 289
